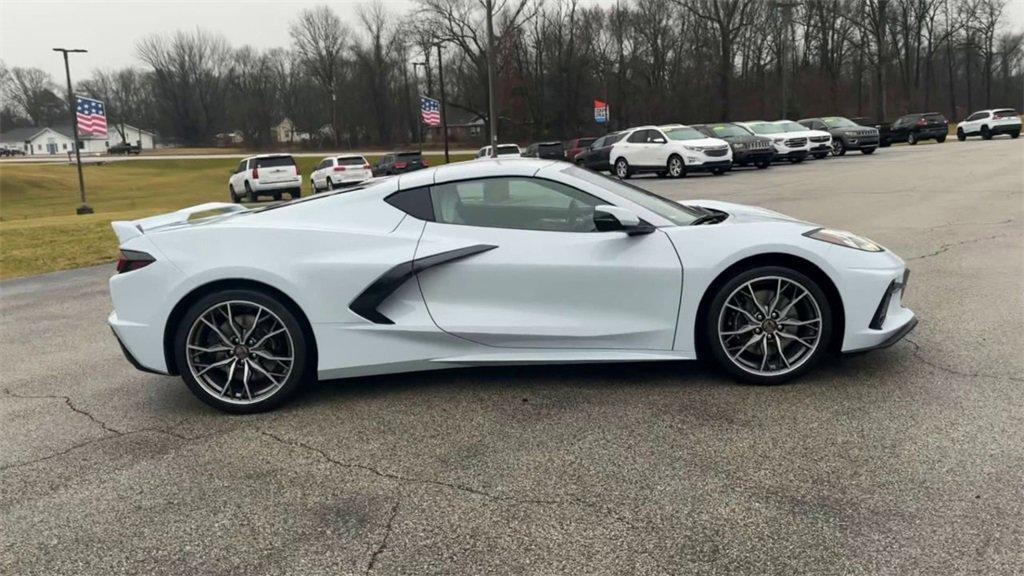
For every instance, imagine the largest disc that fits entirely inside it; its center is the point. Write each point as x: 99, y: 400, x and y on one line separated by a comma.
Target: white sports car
x: 492, y: 262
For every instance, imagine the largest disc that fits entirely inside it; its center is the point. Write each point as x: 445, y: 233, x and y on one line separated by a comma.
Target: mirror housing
x: 616, y: 219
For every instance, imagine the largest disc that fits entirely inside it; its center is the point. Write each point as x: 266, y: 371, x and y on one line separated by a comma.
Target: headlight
x: 843, y: 238
x: 693, y: 148
x: 778, y: 140
x: 739, y: 145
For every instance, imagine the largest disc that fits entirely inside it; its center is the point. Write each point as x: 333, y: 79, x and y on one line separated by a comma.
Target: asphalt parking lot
x: 903, y: 461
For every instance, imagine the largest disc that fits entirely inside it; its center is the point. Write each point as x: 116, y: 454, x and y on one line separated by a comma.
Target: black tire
x: 296, y: 193
x: 795, y: 160
x: 622, y: 169
x: 330, y: 185
x: 277, y: 196
x: 838, y: 147
x: 1014, y: 134
x: 816, y: 298
x: 820, y: 156
x: 763, y: 164
x: 718, y: 171
x: 960, y: 134
x: 312, y: 187
x: 941, y: 139
x: 231, y: 191
x: 912, y: 139
x: 986, y: 134
x: 867, y: 151
x: 301, y: 349
x: 250, y: 194
x: 675, y: 167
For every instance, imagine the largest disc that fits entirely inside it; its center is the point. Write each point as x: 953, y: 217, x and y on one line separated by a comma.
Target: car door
x: 530, y: 270
x: 657, y: 149
x: 633, y: 147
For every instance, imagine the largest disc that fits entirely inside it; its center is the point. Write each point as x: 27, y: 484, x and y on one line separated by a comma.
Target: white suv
x: 265, y: 175
x: 820, y: 141
x: 338, y: 171
x: 988, y: 123
x: 673, y: 150
x: 789, y: 145
x: 504, y: 151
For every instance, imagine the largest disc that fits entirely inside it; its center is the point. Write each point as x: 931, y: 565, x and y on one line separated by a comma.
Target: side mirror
x: 615, y: 219
x: 659, y: 141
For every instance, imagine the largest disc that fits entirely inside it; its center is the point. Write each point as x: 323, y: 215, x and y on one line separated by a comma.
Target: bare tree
x: 319, y: 37
x: 33, y: 93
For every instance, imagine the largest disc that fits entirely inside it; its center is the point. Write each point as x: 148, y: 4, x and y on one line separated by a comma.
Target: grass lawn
x: 40, y: 232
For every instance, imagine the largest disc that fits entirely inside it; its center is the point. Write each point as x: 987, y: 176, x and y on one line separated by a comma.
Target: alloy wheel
x: 675, y: 166
x: 770, y: 326
x: 622, y: 169
x: 240, y: 352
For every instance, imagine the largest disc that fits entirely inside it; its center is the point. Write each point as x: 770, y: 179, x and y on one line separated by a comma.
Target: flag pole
x: 84, y: 208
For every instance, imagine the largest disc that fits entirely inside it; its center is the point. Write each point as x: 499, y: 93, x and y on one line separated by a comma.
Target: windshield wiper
x: 709, y: 218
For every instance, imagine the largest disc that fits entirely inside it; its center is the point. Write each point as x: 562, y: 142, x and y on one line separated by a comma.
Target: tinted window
x: 519, y: 203
x: 728, y: 130
x: 414, y: 202
x: 275, y: 161
x: 935, y: 117
x: 613, y: 138
x: 667, y: 209
x: 241, y: 167
x: 1008, y: 113
x: 409, y: 155
x: 978, y: 116
x: 350, y: 161
x: 638, y: 137
x: 838, y: 122
x: 507, y: 149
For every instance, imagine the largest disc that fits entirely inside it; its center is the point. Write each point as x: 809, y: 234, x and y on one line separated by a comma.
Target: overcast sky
x: 109, y: 29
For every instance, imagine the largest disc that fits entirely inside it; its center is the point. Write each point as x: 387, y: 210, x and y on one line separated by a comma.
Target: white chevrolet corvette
x: 492, y: 262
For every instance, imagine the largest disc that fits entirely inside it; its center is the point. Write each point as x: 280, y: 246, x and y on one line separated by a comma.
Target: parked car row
x: 670, y: 150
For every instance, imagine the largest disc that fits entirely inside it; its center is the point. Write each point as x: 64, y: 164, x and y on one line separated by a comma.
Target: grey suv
x: 846, y: 135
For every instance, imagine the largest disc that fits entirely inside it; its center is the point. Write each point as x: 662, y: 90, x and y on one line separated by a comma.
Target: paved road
x: 904, y: 461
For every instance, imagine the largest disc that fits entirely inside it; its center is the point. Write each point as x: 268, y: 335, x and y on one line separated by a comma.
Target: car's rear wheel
x: 763, y: 164
x: 1014, y: 134
x: 768, y: 324
x: 675, y: 167
x: 296, y: 193
x: 986, y: 134
x: 622, y: 168
x: 250, y: 194
x: 941, y: 139
x: 231, y: 192
x: 960, y: 134
x: 241, y: 351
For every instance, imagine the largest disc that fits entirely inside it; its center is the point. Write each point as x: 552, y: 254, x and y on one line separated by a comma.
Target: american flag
x: 92, y: 117
x: 430, y: 109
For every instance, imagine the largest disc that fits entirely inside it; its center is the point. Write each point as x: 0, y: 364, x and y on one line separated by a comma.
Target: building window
x: 65, y: 145
x: 107, y: 143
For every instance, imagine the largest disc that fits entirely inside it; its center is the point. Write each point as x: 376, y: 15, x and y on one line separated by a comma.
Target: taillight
x: 424, y: 163
x: 366, y: 166
x: 255, y: 172
x: 400, y: 165
x: 339, y: 168
x: 922, y: 122
x: 133, y: 260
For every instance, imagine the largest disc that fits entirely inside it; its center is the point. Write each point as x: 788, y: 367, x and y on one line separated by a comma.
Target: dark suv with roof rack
x: 913, y: 128
x: 399, y: 163
x: 846, y: 135
x: 747, y: 148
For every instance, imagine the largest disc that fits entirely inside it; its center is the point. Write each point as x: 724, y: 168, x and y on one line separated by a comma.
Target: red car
x: 575, y: 146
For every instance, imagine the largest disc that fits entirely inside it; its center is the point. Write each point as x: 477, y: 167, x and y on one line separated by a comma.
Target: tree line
x: 653, y: 61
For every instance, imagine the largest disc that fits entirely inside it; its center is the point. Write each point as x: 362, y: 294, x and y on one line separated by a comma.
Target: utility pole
x: 444, y: 115
x: 492, y: 116
x: 84, y: 208
x: 787, y: 24
x: 416, y: 75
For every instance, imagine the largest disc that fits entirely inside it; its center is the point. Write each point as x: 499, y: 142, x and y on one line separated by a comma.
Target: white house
x: 285, y: 132
x: 59, y: 140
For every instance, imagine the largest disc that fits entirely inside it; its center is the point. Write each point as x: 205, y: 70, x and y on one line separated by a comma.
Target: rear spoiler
x: 126, y: 230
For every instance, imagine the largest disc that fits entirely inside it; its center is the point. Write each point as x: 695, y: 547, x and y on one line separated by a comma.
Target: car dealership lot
x: 905, y: 460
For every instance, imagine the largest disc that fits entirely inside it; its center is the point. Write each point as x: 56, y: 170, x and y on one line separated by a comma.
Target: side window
x: 516, y: 202
x: 241, y: 167
x: 819, y: 125
x: 656, y: 137
x: 638, y: 137
x: 414, y: 202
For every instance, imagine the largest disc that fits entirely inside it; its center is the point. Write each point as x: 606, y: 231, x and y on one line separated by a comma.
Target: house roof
x: 30, y: 132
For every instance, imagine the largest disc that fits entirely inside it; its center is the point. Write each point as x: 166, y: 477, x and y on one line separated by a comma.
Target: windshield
x: 838, y: 122
x: 728, y: 130
x: 683, y: 133
x: 765, y: 128
x: 667, y: 209
x: 790, y: 126
x: 509, y: 149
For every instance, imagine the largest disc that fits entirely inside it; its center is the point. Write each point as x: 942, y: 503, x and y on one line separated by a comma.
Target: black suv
x: 913, y: 128
x: 596, y: 156
x: 399, y: 163
x: 547, y: 150
x: 746, y: 147
x: 846, y: 134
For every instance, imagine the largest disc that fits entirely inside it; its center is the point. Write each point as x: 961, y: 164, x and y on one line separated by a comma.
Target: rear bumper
x: 285, y: 185
x: 927, y: 133
x: 1005, y: 129
x: 137, y: 335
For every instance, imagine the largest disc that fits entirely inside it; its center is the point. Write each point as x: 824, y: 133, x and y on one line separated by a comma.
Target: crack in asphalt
x: 946, y: 247
x: 920, y: 356
x: 384, y: 541
x: 404, y: 480
x: 67, y: 400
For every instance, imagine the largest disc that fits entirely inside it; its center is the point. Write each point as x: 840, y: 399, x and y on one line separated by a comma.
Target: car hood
x: 743, y: 214
x: 703, y: 142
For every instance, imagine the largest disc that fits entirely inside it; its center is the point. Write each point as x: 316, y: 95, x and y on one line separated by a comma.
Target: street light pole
x: 787, y: 22
x: 84, y: 208
x: 415, y: 74
x: 444, y: 115
x: 492, y: 117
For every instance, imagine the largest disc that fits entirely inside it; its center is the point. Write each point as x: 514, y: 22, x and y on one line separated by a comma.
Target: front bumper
x: 799, y: 154
x: 750, y: 156
x: 873, y: 302
x: 860, y: 142
x: 709, y: 166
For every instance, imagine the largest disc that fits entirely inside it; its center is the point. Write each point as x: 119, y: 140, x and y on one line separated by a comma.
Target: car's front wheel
x: 768, y: 324
x: 960, y: 135
x: 838, y: 147
x: 912, y: 139
x: 867, y: 151
x: 241, y: 351
x: 622, y: 168
x: 941, y: 139
x: 675, y: 167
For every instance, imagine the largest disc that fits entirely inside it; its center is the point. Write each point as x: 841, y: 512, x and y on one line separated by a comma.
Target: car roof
x: 267, y: 156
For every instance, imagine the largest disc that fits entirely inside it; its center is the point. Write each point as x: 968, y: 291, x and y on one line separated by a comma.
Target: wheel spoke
x: 800, y: 322
x: 215, y: 365
x: 775, y: 299
x: 742, y: 311
x: 231, y: 376
x: 256, y: 366
x: 750, y: 288
x: 795, y: 339
x: 231, y: 322
x: 744, y: 330
x: 210, y: 350
x: 778, y: 345
x: 753, y: 340
x: 764, y: 353
x: 245, y: 379
x: 255, y: 321
x: 785, y: 311
x: 216, y: 330
x: 267, y: 356
x: 265, y: 337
